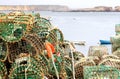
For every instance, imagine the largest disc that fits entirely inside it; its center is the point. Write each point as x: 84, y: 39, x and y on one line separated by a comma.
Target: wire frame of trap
x: 101, y: 72
x: 80, y: 65
x: 26, y: 68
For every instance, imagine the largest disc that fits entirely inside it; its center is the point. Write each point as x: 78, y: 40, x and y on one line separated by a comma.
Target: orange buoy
x: 0, y: 20
x: 50, y: 48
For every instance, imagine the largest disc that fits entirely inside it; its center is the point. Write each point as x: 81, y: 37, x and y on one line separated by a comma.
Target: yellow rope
x: 72, y: 49
x: 54, y: 66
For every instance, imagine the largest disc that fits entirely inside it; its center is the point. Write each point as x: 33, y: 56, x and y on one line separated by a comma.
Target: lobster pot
x: 43, y: 64
x: 67, y: 48
x: 25, y: 68
x: 115, y: 39
x: 68, y: 66
x: 115, y: 42
x: 117, y: 52
x: 58, y: 33
x: 44, y: 23
x: 98, y: 51
x: 3, y: 71
x: 113, y: 48
x: 41, y: 25
x: 80, y: 65
x: 100, y: 72
x: 3, y: 50
x: 118, y: 33
x: 60, y: 66
x: 117, y: 28
x: 110, y: 57
x: 111, y: 62
x: 96, y: 59
x: 69, y: 72
x: 30, y: 44
x: 77, y: 55
x: 55, y: 36
x: 68, y: 60
x: 2, y: 14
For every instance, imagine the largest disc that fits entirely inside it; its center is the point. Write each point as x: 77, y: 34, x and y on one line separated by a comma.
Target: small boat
x: 105, y: 42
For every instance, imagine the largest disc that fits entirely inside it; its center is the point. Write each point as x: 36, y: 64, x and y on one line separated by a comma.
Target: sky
x: 69, y: 3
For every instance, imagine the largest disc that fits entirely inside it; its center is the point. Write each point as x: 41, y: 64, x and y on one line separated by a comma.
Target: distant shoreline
x: 58, y: 8
x: 85, y: 11
x: 58, y: 11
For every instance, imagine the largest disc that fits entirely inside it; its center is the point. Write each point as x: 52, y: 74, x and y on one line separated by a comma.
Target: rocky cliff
x: 117, y: 8
x: 35, y: 7
x: 95, y: 9
x: 59, y: 8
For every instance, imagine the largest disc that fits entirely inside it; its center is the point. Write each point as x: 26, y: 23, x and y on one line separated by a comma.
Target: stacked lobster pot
x: 79, y: 67
x: 104, y: 64
x: 97, y: 52
x: 26, y: 43
x: 114, y: 59
x: 3, y: 71
x: 115, y: 40
x: 69, y: 51
x: 3, y: 55
x: 25, y: 67
x: 110, y: 60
